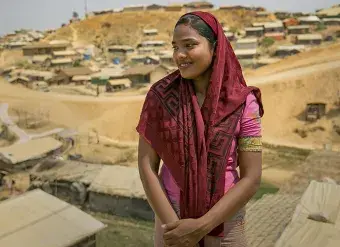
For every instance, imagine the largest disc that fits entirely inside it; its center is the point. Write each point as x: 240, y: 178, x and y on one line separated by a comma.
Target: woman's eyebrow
x: 184, y: 40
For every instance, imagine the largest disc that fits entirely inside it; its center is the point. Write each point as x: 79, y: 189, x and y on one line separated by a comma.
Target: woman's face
x: 193, y: 53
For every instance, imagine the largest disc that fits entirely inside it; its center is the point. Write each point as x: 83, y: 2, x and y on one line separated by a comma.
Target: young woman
x: 202, y: 121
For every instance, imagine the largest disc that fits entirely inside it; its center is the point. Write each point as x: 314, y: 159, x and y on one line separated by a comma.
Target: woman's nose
x: 181, y: 54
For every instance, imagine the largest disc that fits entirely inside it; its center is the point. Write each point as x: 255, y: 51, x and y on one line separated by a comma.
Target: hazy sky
x: 45, y: 14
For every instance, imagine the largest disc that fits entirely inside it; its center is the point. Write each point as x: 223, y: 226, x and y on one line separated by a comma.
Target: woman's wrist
x: 206, y: 224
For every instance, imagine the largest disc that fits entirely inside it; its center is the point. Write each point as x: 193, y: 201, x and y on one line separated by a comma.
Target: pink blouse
x: 247, y: 138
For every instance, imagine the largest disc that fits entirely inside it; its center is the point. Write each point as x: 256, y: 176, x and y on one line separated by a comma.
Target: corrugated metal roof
x: 119, y: 181
x: 109, y: 72
x: 172, y: 5
x: 59, y: 42
x: 65, y: 53
x: 126, y: 82
x: 40, y: 58
x: 258, y: 24
x: 138, y: 57
x: 310, y: 18
x: 273, y: 25
x: 229, y: 34
x: 240, y: 52
x: 154, y: 57
x: 44, y: 45
x: 262, y: 13
x: 121, y: 47
x: 18, y: 43
x: 153, y: 42
x: 140, y: 70
x: 77, y: 71
x: 290, y: 47
x: 29, y: 150
x: 81, y: 78
x: 331, y: 20
x: 277, y: 34
x: 40, y: 220
x: 254, y: 28
x: 198, y: 4
x: 145, y: 49
x: 246, y: 41
x: 18, y: 77
x: 315, y: 36
x: 298, y: 27
x: 166, y: 56
x: 61, y: 60
x: 34, y: 73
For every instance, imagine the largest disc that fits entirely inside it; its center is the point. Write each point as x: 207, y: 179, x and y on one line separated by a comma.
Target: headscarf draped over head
x: 195, y: 142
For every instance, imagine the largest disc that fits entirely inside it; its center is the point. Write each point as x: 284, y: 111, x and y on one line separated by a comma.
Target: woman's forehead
x: 183, y: 32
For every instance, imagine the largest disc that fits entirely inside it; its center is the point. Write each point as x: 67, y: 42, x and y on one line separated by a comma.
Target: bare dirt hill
x: 285, y: 102
x: 127, y: 28
x: 316, y: 55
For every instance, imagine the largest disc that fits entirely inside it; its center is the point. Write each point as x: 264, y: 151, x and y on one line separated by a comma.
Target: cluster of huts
x: 118, y: 67
x: 290, y: 36
x: 174, y: 7
x: 307, y: 215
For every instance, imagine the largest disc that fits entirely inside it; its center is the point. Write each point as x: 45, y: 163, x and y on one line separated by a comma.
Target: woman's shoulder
x: 251, y: 104
x: 165, y: 84
x: 251, y: 99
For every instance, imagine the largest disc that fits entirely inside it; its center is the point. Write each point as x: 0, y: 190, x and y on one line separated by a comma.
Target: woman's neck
x: 201, y: 83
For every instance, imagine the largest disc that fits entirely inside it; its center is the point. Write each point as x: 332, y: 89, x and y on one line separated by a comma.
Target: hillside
x: 116, y: 117
x: 316, y: 55
x: 126, y: 28
x: 285, y: 102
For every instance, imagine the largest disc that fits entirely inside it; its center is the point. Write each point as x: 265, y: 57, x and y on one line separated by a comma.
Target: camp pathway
x: 298, y: 72
x: 21, y: 134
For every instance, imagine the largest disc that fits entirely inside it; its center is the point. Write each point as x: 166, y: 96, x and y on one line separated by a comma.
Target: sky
x: 48, y: 14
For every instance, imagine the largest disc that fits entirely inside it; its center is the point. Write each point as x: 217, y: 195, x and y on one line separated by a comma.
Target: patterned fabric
x: 195, y: 142
x: 250, y: 144
x: 249, y: 126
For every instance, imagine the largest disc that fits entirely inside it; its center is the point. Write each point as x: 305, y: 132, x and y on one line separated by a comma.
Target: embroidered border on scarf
x: 250, y: 144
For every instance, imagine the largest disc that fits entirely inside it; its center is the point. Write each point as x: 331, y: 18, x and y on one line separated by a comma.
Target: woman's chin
x: 187, y: 76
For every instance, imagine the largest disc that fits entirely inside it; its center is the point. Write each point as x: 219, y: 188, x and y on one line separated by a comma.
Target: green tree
x: 321, y: 26
x: 267, y: 42
x: 76, y: 63
x: 75, y: 15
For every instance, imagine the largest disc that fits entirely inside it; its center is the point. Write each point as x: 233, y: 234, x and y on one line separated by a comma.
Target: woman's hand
x: 183, y: 233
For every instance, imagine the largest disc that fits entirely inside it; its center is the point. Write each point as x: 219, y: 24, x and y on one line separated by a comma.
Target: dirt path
x: 74, y: 34
x: 293, y: 73
x: 21, y: 134
x: 6, y: 120
x: 251, y: 81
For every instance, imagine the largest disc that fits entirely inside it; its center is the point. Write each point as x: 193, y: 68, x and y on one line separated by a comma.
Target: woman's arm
x: 148, y: 164
x: 250, y: 164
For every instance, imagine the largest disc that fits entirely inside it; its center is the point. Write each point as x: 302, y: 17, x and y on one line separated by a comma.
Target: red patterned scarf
x: 195, y: 142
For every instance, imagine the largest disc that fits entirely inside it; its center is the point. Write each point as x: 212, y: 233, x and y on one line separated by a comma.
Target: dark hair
x: 200, y: 26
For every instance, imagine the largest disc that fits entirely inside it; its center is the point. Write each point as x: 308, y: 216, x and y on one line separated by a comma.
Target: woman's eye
x: 175, y: 48
x: 189, y: 45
